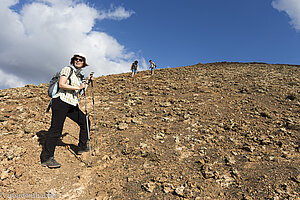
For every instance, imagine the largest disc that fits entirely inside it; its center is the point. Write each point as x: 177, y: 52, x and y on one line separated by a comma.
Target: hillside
x: 208, y: 131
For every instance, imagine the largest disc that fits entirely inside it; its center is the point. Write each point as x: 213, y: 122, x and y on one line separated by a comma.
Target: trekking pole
x: 92, y: 84
x: 87, y: 124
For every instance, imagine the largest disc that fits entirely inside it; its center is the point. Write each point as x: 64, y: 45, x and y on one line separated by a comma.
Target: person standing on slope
x: 134, y: 68
x: 65, y: 104
x: 152, y: 67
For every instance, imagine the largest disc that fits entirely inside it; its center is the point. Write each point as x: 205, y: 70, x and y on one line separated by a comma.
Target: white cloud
x: 41, y: 38
x: 292, y: 8
x: 8, y: 81
x: 118, y: 13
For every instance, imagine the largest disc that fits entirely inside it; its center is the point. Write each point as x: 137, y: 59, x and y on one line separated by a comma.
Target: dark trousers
x: 61, y: 110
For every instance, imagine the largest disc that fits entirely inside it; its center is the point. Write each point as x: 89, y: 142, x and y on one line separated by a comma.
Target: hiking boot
x: 81, y: 150
x: 51, y: 163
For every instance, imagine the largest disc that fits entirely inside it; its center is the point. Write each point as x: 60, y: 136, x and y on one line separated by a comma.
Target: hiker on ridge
x: 65, y: 104
x: 134, y: 68
x: 152, y: 67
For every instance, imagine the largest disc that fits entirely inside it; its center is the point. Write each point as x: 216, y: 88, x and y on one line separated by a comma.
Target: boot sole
x: 51, y: 166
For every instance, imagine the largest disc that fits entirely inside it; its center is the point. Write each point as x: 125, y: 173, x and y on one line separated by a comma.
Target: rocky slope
x: 208, y: 131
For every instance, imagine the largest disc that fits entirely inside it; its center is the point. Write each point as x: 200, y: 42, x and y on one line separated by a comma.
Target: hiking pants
x: 61, y: 110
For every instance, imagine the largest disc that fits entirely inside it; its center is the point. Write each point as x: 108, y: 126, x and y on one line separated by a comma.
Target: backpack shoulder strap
x: 71, y: 72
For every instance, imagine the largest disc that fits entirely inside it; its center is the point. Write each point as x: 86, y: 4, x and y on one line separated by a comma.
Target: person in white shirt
x: 152, y: 67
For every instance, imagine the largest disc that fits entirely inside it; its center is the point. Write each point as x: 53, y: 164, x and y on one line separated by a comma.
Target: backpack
x: 134, y: 66
x: 54, y: 83
x: 152, y: 65
x: 54, y: 86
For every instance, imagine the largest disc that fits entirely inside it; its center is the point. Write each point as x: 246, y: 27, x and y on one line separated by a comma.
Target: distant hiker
x: 152, y: 67
x: 134, y: 68
x: 65, y: 104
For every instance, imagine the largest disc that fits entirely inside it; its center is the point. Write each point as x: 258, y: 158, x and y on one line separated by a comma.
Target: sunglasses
x: 78, y: 59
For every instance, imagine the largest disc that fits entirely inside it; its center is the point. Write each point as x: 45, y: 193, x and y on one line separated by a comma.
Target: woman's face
x: 78, y: 62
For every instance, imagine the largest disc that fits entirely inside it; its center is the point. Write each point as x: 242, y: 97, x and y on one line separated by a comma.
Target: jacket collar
x: 78, y: 72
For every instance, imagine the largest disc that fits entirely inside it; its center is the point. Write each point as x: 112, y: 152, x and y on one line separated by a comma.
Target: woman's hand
x: 82, y: 86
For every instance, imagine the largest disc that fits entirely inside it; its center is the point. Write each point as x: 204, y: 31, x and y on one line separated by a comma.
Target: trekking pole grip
x: 91, y: 78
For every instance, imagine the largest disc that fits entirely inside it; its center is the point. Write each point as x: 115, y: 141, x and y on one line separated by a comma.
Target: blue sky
x: 177, y: 33
x: 40, y: 36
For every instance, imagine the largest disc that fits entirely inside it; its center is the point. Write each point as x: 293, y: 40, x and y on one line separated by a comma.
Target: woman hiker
x: 65, y: 104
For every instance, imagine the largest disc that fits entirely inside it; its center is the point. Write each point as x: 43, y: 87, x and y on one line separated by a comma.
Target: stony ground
x: 208, y: 131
